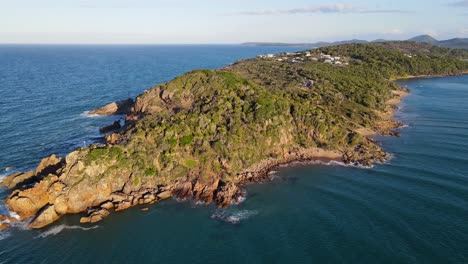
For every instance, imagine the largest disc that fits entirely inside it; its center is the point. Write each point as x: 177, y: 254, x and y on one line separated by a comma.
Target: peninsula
x: 205, y: 133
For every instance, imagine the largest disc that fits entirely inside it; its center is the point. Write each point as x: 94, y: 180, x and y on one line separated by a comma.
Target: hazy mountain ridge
x: 460, y: 43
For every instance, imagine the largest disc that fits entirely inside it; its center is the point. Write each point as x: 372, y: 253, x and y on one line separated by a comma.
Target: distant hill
x: 424, y: 38
x: 460, y: 43
x: 315, y: 45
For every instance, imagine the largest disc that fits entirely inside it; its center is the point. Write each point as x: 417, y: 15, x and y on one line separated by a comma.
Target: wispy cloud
x: 395, y: 31
x: 324, y: 9
x: 460, y: 3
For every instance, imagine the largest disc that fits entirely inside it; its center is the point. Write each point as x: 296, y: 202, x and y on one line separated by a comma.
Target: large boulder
x: 28, y: 202
x: 227, y: 194
x: 4, y: 226
x: 205, y: 191
x: 95, y: 216
x: 50, y: 165
x: 17, y: 179
x: 45, y: 217
x: 115, y: 108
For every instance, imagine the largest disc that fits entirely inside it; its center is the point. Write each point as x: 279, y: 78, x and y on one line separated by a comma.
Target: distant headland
x: 460, y: 43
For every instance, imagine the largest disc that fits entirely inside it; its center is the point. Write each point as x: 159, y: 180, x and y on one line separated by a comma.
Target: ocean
x: 411, y: 209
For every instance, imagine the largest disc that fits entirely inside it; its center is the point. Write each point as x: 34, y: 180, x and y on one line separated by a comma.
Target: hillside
x: 205, y: 133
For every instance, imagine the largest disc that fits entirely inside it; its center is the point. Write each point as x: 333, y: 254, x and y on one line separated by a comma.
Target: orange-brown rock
x: 95, y: 216
x: 114, y: 138
x: 9, y: 219
x: 228, y: 193
x: 115, y: 108
x: 17, y: 179
x: 28, y: 202
x: 165, y: 195
x: 4, y: 226
x: 205, y: 192
x: 45, y: 217
x: 183, y: 190
x: 49, y: 165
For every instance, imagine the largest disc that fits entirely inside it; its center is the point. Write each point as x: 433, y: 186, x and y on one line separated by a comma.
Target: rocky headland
x: 206, y: 133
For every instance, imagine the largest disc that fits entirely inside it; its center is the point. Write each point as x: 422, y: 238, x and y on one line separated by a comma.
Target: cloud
x: 460, y: 3
x: 430, y: 32
x: 395, y: 31
x: 324, y: 9
x: 464, y: 31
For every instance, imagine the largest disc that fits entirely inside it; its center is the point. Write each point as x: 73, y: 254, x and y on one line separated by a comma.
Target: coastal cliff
x: 205, y: 133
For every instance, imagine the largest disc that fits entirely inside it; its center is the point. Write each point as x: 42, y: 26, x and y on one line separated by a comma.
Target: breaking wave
x: 57, y: 229
x: 233, y: 217
x: 87, y: 114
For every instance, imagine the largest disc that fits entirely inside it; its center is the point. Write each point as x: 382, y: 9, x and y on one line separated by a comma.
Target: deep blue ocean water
x: 413, y: 209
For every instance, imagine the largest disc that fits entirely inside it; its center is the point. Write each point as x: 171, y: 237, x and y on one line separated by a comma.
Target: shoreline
x: 57, y: 196
x: 410, y: 77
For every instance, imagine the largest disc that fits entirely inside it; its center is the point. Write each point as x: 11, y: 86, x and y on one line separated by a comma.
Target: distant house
x: 270, y: 55
x: 328, y: 61
x: 314, y: 59
x: 337, y: 58
x: 338, y: 62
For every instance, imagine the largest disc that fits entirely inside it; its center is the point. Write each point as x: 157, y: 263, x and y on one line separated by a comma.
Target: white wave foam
x: 87, y: 114
x: 57, y: 229
x: 233, y: 217
x: 4, y: 234
x: 14, y: 215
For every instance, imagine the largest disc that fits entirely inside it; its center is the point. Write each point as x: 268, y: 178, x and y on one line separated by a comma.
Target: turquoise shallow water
x: 413, y: 209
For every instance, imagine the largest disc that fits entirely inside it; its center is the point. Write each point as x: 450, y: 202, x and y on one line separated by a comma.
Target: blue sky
x: 226, y: 21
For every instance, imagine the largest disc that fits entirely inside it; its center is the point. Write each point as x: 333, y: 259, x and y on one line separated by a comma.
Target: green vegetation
x: 218, y: 123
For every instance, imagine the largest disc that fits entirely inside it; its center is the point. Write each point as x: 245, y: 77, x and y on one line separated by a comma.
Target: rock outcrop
x: 49, y: 165
x: 116, y: 125
x: 115, y: 108
x: 18, y: 178
x: 6, y: 221
x: 46, y: 216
